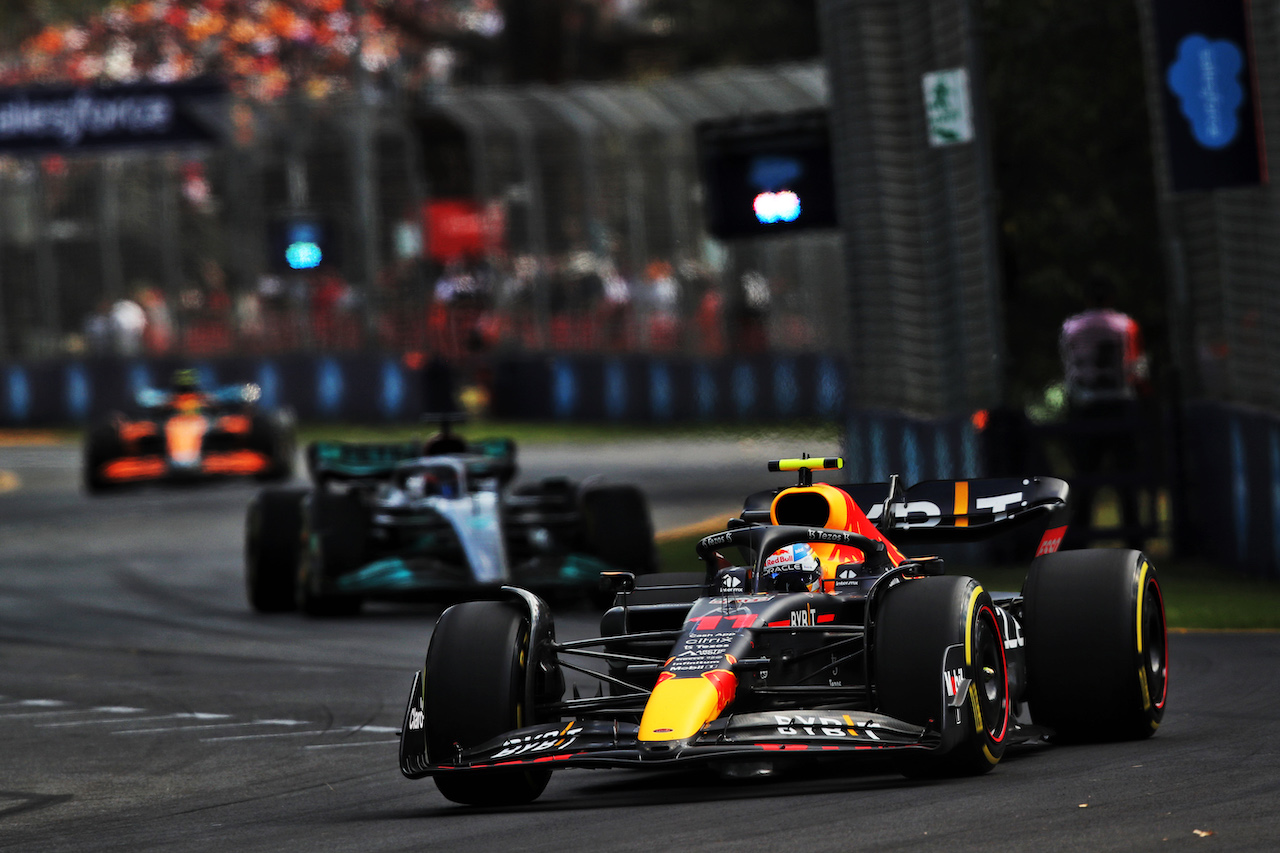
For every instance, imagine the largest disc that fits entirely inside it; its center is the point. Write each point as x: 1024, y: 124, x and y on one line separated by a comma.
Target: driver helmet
x: 794, y: 568
x: 185, y: 381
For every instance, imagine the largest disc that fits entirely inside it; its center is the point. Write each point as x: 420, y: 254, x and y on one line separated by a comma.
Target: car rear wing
x: 939, y: 511
x: 341, y: 460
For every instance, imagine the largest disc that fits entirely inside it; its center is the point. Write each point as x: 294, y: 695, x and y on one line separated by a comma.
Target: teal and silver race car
x: 439, y: 521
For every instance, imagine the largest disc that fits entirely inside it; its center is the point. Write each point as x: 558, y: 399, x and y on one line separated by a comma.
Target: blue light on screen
x: 303, y: 250
x: 303, y: 256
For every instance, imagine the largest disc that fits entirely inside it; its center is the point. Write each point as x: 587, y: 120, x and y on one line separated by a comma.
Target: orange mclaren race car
x: 188, y: 434
x: 821, y: 641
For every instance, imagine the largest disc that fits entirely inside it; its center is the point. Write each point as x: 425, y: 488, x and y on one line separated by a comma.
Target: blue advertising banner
x: 64, y: 119
x: 1207, y: 81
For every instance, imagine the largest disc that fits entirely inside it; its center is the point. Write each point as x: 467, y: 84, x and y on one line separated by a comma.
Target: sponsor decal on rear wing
x: 946, y: 510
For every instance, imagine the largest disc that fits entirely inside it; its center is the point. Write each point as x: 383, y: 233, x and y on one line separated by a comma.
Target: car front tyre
x: 917, y: 622
x: 475, y: 690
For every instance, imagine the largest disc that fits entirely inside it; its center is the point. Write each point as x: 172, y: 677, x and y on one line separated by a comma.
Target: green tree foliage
x: 1072, y: 141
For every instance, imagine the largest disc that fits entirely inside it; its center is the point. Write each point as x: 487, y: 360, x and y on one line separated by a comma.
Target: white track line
x: 64, y: 711
x: 178, y: 716
x: 357, y: 743
x: 370, y: 729
x: 210, y: 726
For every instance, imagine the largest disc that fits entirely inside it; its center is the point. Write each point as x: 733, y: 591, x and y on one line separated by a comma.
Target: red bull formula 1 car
x: 187, y: 434
x: 821, y: 640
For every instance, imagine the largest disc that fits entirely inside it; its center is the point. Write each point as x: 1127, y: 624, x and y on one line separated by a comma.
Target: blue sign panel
x: 329, y: 387
x: 78, y: 392
x: 1210, y: 108
x: 19, y: 395
x: 1206, y: 79
x: 393, y: 390
x: 661, y: 396
x: 269, y: 385
x: 564, y: 388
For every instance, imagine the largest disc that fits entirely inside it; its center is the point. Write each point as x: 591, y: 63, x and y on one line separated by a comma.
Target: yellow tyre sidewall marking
x: 1142, y: 663
x: 968, y: 662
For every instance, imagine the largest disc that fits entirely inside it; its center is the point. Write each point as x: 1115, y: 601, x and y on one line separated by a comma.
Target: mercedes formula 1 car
x: 821, y: 641
x: 187, y: 434
x: 434, y: 522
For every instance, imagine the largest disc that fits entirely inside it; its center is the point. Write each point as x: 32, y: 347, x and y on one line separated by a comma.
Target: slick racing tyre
x: 1097, y: 656
x: 273, y: 436
x: 333, y: 534
x: 101, y: 445
x: 475, y: 690
x: 272, y: 545
x: 617, y: 528
x: 925, y: 629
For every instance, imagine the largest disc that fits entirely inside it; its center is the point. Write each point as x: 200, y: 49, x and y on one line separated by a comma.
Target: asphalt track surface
x: 143, y: 706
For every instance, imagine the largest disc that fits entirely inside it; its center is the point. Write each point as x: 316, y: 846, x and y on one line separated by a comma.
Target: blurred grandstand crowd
x: 267, y: 48
x: 272, y: 51
x: 472, y: 307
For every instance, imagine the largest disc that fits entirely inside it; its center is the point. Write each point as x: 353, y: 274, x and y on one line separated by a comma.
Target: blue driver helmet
x: 794, y: 568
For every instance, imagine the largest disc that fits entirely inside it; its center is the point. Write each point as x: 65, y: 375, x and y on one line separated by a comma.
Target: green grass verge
x: 523, y: 432
x: 534, y: 433
x: 1197, y: 595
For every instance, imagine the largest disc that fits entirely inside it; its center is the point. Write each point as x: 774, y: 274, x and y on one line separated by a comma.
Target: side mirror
x: 617, y: 582
x: 926, y: 565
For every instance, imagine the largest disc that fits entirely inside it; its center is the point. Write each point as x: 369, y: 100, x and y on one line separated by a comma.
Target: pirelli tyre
x: 101, y: 445
x: 272, y: 545
x: 931, y: 633
x: 333, y: 544
x: 617, y: 528
x: 475, y: 690
x: 1096, y: 647
x: 273, y: 435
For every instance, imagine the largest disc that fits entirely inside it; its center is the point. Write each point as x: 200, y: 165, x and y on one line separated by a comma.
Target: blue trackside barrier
x: 381, y: 388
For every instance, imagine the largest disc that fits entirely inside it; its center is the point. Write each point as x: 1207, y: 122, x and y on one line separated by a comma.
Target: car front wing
x: 595, y: 743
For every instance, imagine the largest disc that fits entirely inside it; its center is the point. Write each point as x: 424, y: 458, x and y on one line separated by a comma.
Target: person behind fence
x: 1107, y: 377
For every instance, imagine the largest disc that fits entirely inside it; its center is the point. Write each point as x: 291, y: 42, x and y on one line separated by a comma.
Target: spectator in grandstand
x: 128, y: 322
x: 158, y: 335
x: 754, y: 299
x: 664, y: 304
x: 97, y: 330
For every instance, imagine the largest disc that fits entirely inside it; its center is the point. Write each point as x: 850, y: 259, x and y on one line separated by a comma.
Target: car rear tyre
x: 1097, y: 655
x: 916, y: 623
x: 475, y: 690
x: 333, y: 540
x: 617, y: 528
x: 273, y: 436
x: 272, y: 546
x: 102, y: 444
